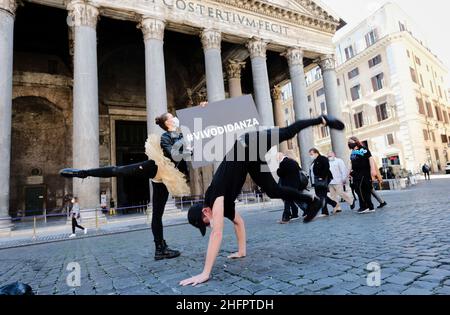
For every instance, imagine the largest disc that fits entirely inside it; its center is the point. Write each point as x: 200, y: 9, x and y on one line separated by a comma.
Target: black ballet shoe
x: 333, y: 123
x: 313, y: 209
x: 73, y: 172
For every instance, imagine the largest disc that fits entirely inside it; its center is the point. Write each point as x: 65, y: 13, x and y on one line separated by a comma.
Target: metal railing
x: 101, y: 215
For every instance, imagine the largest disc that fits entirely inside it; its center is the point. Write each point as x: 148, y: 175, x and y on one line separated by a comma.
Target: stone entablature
x: 302, y: 24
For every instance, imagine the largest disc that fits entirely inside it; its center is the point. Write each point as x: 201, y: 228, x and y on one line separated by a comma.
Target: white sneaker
x: 85, y: 231
x: 72, y: 235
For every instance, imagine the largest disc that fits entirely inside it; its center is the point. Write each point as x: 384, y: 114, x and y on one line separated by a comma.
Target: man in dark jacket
x: 289, y: 173
x: 321, y: 177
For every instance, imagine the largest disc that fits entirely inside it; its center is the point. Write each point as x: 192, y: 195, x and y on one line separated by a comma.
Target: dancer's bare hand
x: 237, y: 255
x: 201, y: 278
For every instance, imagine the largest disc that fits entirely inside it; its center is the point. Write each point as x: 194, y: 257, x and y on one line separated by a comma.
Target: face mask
x: 331, y: 158
x: 176, y: 122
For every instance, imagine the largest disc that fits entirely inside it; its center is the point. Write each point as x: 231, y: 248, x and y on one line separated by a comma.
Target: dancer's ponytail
x: 161, y: 121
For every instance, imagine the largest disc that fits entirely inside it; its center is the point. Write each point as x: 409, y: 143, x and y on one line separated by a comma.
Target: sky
x: 432, y: 16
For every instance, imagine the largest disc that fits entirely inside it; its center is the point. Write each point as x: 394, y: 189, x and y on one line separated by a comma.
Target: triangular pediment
x: 308, y: 13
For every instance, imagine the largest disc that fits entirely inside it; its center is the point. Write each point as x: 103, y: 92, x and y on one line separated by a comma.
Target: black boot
x: 73, y: 172
x: 164, y: 252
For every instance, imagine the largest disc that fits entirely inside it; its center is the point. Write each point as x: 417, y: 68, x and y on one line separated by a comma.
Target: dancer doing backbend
x: 165, y: 167
x: 227, y: 183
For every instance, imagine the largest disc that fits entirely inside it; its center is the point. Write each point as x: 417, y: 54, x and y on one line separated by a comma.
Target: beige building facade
x: 392, y: 93
x: 81, y: 83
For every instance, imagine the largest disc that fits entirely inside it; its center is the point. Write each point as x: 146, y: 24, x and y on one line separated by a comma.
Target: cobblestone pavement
x: 410, y: 240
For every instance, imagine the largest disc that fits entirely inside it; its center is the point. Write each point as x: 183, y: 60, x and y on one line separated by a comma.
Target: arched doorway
x: 39, y: 150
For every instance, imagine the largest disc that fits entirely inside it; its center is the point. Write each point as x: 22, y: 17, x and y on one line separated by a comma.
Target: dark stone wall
x: 40, y: 140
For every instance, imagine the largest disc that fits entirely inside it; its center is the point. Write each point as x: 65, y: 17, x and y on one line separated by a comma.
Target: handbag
x: 321, y: 182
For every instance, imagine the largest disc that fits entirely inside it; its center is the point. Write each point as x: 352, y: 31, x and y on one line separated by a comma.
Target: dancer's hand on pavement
x: 195, y: 280
x: 236, y: 256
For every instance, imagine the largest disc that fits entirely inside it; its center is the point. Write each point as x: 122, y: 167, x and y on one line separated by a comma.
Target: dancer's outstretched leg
x: 275, y: 136
x: 147, y: 169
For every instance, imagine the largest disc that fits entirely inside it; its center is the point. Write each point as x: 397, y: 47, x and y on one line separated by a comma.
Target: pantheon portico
x: 87, y: 80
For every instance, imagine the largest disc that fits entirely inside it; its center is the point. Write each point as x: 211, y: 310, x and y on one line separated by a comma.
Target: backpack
x: 304, y: 180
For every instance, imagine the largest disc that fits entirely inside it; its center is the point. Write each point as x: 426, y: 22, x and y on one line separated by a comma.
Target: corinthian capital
x: 327, y: 62
x: 9, y: 5
x: 81, y: 13
x: 257, y: 47
x: 152, y: 28
x: 294, y: 56
x: 211, y: 39
x: 234, y: 68
x: 276, y: 92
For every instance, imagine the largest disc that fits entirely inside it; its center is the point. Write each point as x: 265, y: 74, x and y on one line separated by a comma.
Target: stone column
x: 338, y: 141
x: 234, y: 69
x: 7, y: 13
x: 279, y: 113
x: 211, y: 40
x: 155, y: 73
x: 294, y: 57
x: 257, y: 48
x: 85, y: 102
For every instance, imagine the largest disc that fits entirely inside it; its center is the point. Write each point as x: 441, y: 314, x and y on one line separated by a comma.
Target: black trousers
x: 363, y: 188
x: 159, y: 200
x: 290, y: 210
x: 265, y: 140
x: 146, y: 169
x: 75, y: 225
x: 427, y: 175
x: 322, y: 193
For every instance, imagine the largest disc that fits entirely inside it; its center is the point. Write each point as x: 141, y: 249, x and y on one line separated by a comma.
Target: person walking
x: 289, y: 173
x: 340, y: 175
x: 375, y: 194
x: 321, y: 177
x: 112, y: 207
x: 362, y: 172
x: 75, y: 214
x: 426, y: 171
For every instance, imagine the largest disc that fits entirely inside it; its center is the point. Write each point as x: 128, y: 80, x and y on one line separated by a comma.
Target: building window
x: 377, y: 82
x: 323, y: 108
x: 309, y: 98
x: 420, y: 106
x: 421, y: 81
x: 433, y: 136
x: 324, y: 131
x: 359, y: 120
x: 413, y: 75
x: 445, y: 114
x: 438, y: 113
x: 444, y: 139
x: 286, y: 111
x: 371, y: 37
x: 349, y: 53
x: 356, y: 92
x: 440, y: 91
x: 418, y: 61
x: 390, y: 139
x: 402, y: 26
x: 374, y: 61
x: 408, y: 54
x: 382, y: 113
x: 432, y: 87
x: 429, y: 110
x: 320, y: 92
x: 353, y: 73
x: 426, y: 136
